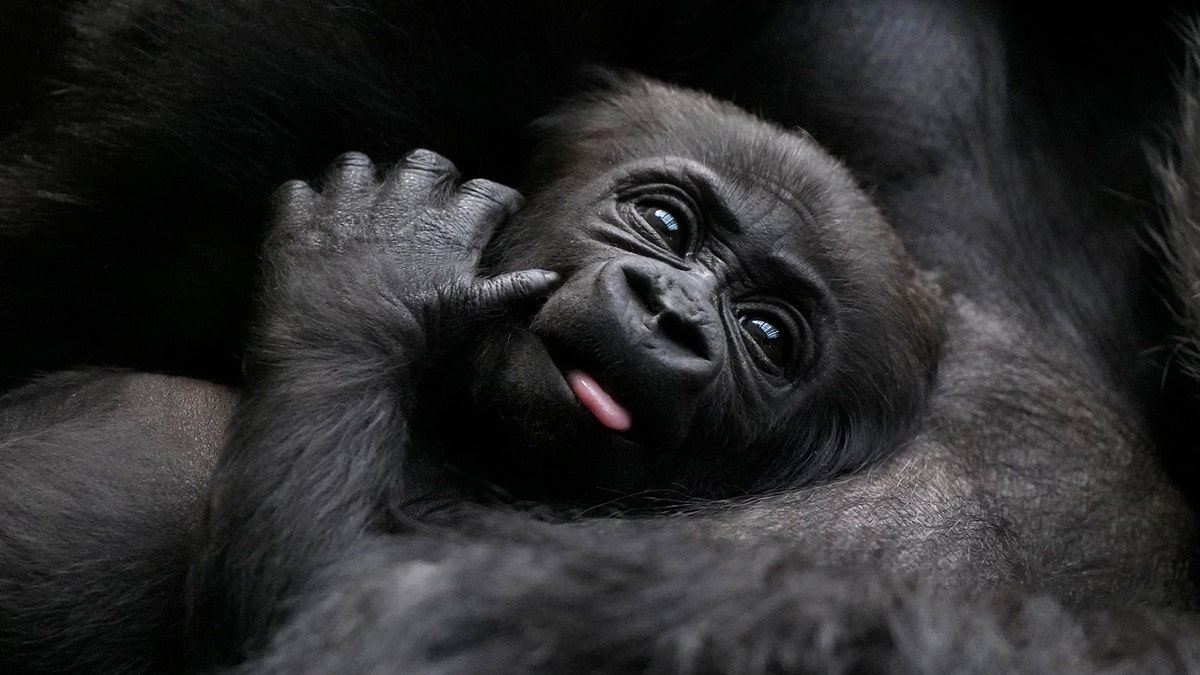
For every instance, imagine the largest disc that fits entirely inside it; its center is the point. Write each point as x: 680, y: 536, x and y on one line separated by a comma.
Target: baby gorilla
x: 692, y: 299
x: 734, y: 314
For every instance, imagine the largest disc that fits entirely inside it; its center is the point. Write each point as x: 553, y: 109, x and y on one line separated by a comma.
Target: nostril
x: 686, y: 334
x: 669, y: 309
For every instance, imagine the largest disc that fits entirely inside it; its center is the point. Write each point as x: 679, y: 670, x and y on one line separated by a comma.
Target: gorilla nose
x: 670, y: 317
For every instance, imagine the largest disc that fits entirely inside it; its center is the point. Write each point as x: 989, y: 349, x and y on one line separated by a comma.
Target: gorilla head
x: 735, y: 314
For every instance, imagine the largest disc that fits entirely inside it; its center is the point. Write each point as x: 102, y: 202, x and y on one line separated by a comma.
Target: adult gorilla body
x: 1031, y: 408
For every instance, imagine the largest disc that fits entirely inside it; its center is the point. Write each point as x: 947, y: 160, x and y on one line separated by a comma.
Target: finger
x: 350, y: 177
x: 294, y: 202
x: 294, y: 223
x: 349, y: 185
x: 484, y: 205
x: 421, y: 177
x: 505, y: 291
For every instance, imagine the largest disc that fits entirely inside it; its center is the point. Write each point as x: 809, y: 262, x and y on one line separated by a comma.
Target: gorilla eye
x: 668, y: 222
x: 769, y: 337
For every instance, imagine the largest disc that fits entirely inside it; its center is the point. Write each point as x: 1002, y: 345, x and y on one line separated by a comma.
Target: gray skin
x: 103, y: 477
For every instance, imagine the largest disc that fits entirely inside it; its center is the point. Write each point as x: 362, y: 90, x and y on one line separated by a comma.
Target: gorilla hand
x: 395, y: 259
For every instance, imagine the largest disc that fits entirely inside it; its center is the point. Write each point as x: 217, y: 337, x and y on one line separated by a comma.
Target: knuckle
x: 350, y: 171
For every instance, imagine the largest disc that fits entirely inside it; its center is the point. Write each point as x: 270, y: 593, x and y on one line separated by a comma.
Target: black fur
x: 140, y: 171
x: 102, y: 477
x: 518, y: 596
x: 1003, y: 144
x: 371, y: 308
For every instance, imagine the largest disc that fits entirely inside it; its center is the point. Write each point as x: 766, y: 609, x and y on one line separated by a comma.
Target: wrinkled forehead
x: 754, y: 157
x: 777, y: 181
x: 786, y: 192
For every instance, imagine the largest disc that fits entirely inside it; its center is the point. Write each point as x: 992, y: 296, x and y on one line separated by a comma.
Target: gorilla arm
x: 367, y: 283
x: 103, y: 475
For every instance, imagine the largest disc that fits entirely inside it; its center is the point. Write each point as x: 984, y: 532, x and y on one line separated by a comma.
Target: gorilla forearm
x: 367, y: 284
x: 278, y: 463
x: 103, y: 475
x: 651, y: 596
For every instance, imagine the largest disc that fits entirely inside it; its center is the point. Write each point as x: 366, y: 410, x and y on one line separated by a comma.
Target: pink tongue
x: 595, y: 399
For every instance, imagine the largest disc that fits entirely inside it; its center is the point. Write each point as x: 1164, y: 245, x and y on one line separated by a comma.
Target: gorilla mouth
x: 599, y: 402
x: 573, y: 368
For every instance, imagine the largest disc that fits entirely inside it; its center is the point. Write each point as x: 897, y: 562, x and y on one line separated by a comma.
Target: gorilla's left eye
x: 769, y: 338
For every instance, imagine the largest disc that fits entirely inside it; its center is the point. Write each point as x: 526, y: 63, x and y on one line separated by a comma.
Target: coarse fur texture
x: 520, y: 597
x: 371, y: 293
x: 1179, y: 171
x: 1026, y: 521
x: 111, y: 533
x: 112, y: 154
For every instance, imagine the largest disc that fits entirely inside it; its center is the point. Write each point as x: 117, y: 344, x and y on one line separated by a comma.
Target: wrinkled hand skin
x: 408, y: 244
x: 368, y: 282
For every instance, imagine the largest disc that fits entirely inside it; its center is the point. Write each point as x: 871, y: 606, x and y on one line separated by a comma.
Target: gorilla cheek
x: 554, y: 444
x: 517, y: 379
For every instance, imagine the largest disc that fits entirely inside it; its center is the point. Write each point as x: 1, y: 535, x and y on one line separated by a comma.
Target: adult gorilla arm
x: 103, y: 476
x: 658, y: 599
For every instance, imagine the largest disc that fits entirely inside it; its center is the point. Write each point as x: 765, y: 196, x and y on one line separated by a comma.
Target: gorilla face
x: 734, y: 314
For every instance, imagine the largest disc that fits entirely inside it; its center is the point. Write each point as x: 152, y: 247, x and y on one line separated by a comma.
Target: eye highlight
x: 771, y: 333
x: 774, y: 338
x: 671, y: 228
x: 666, y: 215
